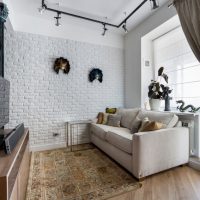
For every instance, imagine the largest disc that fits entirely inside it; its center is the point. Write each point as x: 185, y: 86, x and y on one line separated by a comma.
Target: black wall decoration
x: 96, y: 74
x: 63, y: 64
x: 3, y: 17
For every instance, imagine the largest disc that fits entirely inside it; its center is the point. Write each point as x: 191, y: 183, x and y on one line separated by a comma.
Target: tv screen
x: 4, y: 101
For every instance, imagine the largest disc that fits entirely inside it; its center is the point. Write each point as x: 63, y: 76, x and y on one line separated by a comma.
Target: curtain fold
x: 189, y: 15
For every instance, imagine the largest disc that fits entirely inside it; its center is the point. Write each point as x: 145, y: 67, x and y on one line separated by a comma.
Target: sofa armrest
x: 155, y: 151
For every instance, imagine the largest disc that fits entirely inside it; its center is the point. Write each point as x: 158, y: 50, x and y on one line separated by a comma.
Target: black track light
x: 124, y: 27
x: 154, y: 4
x: 42, y: 9
x: 104, y: 30
x: 57, y: 19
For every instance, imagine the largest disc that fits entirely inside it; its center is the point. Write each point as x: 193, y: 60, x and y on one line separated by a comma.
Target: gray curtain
x: 189, y: 15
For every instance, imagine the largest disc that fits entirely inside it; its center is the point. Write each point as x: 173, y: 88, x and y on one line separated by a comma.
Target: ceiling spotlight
x: 57, y: 19
x: 124, y: 27
x: 154, y: 4
x: 42, y: 9
x: 104, y: 30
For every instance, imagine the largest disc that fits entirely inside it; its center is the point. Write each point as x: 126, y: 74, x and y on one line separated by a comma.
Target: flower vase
x: 155, y: 104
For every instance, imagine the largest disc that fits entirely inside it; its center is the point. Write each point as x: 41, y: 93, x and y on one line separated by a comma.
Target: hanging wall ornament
x: 63, y: 64
x: 3, y: 12
x: 96, y: 74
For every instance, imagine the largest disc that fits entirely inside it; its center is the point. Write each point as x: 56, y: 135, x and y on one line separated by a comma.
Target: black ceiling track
x: 93, y: 20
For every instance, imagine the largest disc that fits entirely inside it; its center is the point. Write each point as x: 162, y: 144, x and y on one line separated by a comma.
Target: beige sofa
x: 143, y: 153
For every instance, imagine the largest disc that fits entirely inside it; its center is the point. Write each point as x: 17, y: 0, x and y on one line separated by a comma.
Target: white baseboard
x: 195, y: 163
x: 47, y: 147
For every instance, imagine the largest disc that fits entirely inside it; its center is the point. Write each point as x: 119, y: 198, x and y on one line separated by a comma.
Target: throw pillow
x: 152, y: 126
x: 100, y: 118
x: 145, y: 121
x: 136, y: 125
x: 111, y: 110
x: 114, y: 120
x: 105, y: 118
x: 169, y: 119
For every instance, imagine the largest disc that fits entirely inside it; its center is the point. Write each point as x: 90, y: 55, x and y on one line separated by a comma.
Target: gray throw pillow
x: 136, y: 125
x: 114, y: 120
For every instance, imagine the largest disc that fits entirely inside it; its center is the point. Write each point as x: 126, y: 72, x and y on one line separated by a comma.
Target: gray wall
x: 133, y: 54
x: 44, y: 100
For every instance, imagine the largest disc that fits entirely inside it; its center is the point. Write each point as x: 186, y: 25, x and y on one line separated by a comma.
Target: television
x: 4, y: 101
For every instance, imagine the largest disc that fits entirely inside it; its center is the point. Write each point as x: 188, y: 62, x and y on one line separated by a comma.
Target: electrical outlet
x: 187, y: 123
x: 56, y: 134
x: 147, y: 63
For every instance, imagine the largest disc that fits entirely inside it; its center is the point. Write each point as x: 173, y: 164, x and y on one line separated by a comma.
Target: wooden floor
x: 181, y: 183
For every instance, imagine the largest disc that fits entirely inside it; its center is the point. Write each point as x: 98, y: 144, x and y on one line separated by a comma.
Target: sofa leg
x: 183, y: 165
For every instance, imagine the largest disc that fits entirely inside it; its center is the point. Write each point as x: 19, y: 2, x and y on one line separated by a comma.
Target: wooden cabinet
x: 23, y: 175
x: 14, y: 195
x: 14, y: 170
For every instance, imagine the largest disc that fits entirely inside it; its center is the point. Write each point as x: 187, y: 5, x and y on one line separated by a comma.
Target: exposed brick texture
x: 43, y: 100
x: 4, y: 102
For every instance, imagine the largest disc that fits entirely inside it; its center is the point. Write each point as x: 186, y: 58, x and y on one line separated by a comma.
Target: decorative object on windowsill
x: 184, y: 108
x: 166, y: 91
x: 63, y: 64
x: 158, y: 91
x: 96, y: 74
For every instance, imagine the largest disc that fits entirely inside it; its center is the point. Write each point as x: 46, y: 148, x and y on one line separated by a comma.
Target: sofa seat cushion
x: 121, y: 139
x: 101, y: 130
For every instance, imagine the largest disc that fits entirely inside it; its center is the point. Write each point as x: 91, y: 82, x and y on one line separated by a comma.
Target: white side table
x: 77, y: 133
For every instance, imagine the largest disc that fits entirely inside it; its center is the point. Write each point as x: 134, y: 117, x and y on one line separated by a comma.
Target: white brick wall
x: 44, y: 100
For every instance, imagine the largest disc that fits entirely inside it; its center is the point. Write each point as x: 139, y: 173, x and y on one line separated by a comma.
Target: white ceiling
x: 98, y: 9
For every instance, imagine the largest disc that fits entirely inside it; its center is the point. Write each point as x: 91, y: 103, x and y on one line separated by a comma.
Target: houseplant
x: 158, y: 91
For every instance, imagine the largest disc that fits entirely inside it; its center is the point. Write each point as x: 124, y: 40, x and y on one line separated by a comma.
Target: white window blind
x: 172, y: 51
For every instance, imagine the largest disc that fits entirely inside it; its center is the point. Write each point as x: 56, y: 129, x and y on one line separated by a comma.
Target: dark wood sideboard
x: 14, y: 170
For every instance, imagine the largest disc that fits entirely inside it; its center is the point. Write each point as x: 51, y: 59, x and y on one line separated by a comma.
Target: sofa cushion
x: 114, y: 120
x: 150, y: 125
x: 136, y: 125
x: 128, y: 116
x: 121, y: 139
x: 102, y: 118
x: 111, y: 110
x: 170, y: 119
x: 101, y: 130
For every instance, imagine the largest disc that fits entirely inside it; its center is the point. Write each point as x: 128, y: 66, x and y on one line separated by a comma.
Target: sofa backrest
x: 128, y: 116
x: 170, y: 119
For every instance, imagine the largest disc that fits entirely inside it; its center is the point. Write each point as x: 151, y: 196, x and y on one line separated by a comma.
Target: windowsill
x: 174, y: 110
x: 194, y: 162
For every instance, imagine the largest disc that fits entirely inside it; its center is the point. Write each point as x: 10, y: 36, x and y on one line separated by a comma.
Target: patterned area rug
x: 80, y: 175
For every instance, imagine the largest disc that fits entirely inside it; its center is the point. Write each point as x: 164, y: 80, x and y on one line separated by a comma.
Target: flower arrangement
x: 158, y: 90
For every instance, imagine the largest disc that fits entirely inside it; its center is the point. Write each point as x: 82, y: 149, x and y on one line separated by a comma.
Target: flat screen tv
x: 4, y: 101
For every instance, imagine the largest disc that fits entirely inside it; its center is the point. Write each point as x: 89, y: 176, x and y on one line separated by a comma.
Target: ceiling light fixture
x: 57, y: 19
x: 104, y: 30
x: 154, y: 5
x: 124, y: 27
x: 42, y: 9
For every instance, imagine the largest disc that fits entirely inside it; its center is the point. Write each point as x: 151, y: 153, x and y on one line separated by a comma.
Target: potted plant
x: 158, y: 91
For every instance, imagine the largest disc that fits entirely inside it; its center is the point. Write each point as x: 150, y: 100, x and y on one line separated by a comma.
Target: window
x: 172, y: 51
